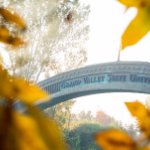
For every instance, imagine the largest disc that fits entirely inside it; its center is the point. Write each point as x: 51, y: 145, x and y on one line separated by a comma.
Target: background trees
x: 81, y: 138
x: 56, y: 35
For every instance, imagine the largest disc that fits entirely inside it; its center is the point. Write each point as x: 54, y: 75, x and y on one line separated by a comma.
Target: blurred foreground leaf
x: 140, y: 25
x: 8, y: 140
x: 13, y: 88
x: 142, y: 114
x: 114, y: 139
x: 30, y: 130
x: 48, y: 129
x: 7, y: 38
x: 12, y: 17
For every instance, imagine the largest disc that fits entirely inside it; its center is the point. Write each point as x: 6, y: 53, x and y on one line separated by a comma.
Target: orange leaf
x: 145, y: 148
x: 7, y: 132
x: 27, y: 133
x: 36, y: 131
x: 142, y: 114
x: 137, y: 29
x: 137, y: 109
x: 15, y: 41
x: 28, y: 92
x: 16, y: 88
x: 48, y: 129
x: 140, y: 25
x: 114, y: 139
x: 7, y: 38
x: 4, y: 34
x: 130, y: 3
x: 12, y: 17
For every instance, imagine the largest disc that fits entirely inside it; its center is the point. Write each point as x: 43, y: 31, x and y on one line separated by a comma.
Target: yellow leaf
x: 28, y: 92
x: 146, y: 148
x: 7, y: 38
x: 140, y: 25
x: 27, y: 131
x: 137, y: 109
x: 130, y: 3
x: 15, y: 88
x: 114, y: 139
x: 11, y: 16
x: 48, y: 129
x: 1, y: 60
x: 137, y: 29
x: 142, y: 114
x: 15, y: 41
x: 6, y: 89
x: 4, y: 34
x: 7, y: 132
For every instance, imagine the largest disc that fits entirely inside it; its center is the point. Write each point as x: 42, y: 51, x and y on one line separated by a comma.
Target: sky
x: 108, y: 20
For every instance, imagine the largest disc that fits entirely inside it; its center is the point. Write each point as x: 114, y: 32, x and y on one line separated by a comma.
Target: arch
x: 99, y: 78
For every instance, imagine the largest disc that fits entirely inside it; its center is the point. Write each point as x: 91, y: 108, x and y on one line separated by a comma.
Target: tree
x: 56, y: 35
x: 19, y: 128
x: 86, y: 116
x: 103, y: 118
x: 62, y: 114
x: 81, y: 137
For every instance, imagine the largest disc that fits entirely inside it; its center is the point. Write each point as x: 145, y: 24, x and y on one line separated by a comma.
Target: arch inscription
x: 100, y: 78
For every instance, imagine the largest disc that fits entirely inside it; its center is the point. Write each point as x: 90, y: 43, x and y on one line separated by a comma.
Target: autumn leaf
x: 113, y: 139
x: 15, y: 41
x: 13, y: 88
x: 145, y: 148
x: 48, y: 129
x: 140, y: 25
x: 31, y: 130
x: 7, y: 132
x: 12, y: 17
x: 27, y: 133
x: 130, y: 3
x: 1, y: 60
x: 142, y: 114
x: 7, y: 38
x: 28, y: 92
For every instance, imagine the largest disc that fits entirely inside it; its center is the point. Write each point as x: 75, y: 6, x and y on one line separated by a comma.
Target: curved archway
x: 100, y: 78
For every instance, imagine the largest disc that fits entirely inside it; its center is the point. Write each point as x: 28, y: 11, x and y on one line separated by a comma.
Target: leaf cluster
x: 114, y: 139
x: 29, y: 128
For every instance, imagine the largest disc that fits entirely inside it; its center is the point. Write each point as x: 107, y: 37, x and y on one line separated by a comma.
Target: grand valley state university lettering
x: 104, y: 79
x: 100, y: 78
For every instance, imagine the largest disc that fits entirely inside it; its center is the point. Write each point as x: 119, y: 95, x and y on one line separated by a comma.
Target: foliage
x: 59, y: 31
x: 103, y: 118
x: 140, y: 25
x: 131, y: 129
x: 85, y: 116
x: 61, y: 113
x: 50, y: 35
x: 114, y: 139
x: 28, y: 128
x: 81, y: 137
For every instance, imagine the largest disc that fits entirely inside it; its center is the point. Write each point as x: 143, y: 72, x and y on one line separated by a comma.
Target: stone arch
x: 99, y: 78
